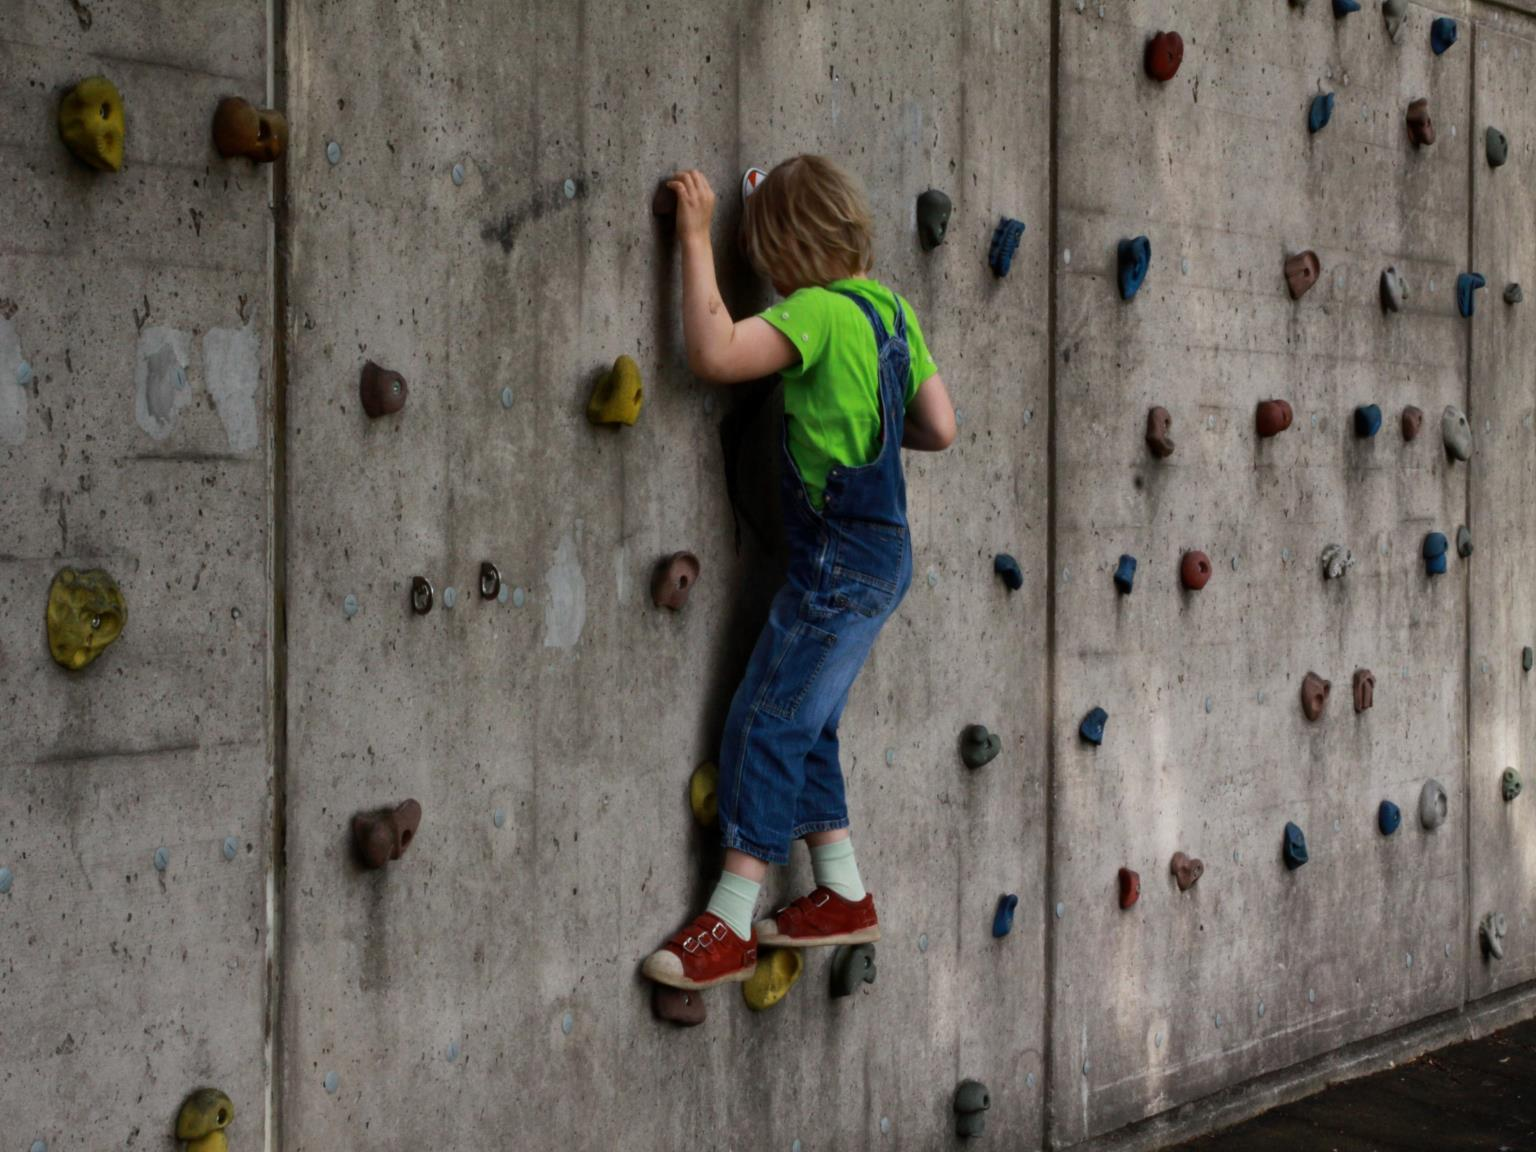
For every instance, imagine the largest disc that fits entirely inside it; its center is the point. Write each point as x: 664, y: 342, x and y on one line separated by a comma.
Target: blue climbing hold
x: 1005, y: 242
x: 1442, y: 34
x: 1092, y: 727
x: 1367, y: 421
x: 1134, y: 257
x: 1388, y: 817
x: 1008, y: 568
x: 1343, y: 8
x: 1435, y: 546
x: 1295, y: 850
x: 1125, y: 574
x: 1002, y: 922
x: 1466, y: 284
x: 1320, y: 113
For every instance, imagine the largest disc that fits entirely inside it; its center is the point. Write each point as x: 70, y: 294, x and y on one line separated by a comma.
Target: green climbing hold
x: 852, y: 965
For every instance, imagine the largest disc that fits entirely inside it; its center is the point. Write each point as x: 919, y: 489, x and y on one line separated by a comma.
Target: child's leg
x: 735, y: 896
x: 821, y: 815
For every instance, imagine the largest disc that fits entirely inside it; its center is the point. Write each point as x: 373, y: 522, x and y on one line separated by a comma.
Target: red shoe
x: 820, y: 919
x: 703, y: 954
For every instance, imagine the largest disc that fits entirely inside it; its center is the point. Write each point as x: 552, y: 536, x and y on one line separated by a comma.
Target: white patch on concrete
x: 232, y: 365
x: 565, y: 607
x: 13, y: 392
x: 160, y: 384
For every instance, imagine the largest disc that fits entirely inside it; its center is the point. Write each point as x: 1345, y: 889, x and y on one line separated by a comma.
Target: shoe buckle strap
x: 823, y: 895
x: 718, y: 931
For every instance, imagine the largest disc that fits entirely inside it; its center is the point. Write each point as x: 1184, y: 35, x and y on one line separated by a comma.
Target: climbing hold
x: 1434, y: 553
x: 203, y: 1117
x: 702, y: 786
x: 978, y: 746
x: 1442, y: 34
x: 1159, y: 424
x: 664, y: 203
x: 1092, y: 727
x: 1272, y: 418
x: 1528, y: 658
x: 241, y: 129
x: 971, y: 1103
x: 1394, y: 12
x: 1413, y: 420
x: 1008, y: 568
x: 1164, y: 54
x: 1337, y: 560
x: 421, y: 595
x: 383, y: 392
x: 1457, y: 432
x: 1195, y: 570
x: 490, y: 580
x: 1463, y: 542
x: 1466, y: 284
x: 1388, y: 817
x: 1314, y: 695
x: 750, y: 180
x: 1497, y: 145
x: 1301, y: 272
x: 86, y: 612
x: 1343, y: 8
x: 933, y: 211
x: 1005, y: 242
x: 673, y: 579
x: 1002, y: 919
x: 1365, y: 689
x: 1133, y: 257
x: 92, y: 123
x: 1320, y: 112
x: 618, y: 394
x: 684, y: 1007
x: 1367, y: 421
x: 1492, y: 931
x: 1294, y: 850
x: 1125, y: 574
x: 1186, y: 870
x: 1130, y: 887
x: 1510, y: 784
x: 852, y: 965
x: 1421, y: 127
x: 1513, y: 293
x: 383, y: 835
x: 776, y: 972
x: 1434, y: 804
x: 1394, y: 290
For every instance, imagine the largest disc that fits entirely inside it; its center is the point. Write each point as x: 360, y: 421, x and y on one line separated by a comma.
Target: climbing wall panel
x: 1207, y: 749
x: 134, y: 792
x: 1502, y: 617
x: 487, y: 981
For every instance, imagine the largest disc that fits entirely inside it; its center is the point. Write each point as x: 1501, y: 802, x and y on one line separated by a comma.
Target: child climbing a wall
x: 859, y: 385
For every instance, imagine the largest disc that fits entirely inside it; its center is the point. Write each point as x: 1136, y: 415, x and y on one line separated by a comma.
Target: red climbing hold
x: 1186, y: 870
x: 1130, y: 887
x: 1165, y: 52
x: 1195, y: 570
x: 1421, y: 128
x: 1301, y: 272
x: 1273, y: 418
x: 382, y: 836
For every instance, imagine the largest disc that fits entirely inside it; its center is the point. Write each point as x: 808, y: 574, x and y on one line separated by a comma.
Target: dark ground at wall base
x: 1478, y: 1097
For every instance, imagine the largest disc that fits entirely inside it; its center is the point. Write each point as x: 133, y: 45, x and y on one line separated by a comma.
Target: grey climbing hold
x: 1463, y: 542
x: 162, y: 859
x: 1434, y: 804
x: 333, y: 152
x: 231, y: 847
x: 1457, y: 432
x: 1510, y: 784
x: 1498, y: 147
x: 1337, y: 560
x: 1513, y: 294
x: 458, y: 174
x: 971, y: 1103
x: 852, y: 966
x: 1492, y: 932
x: 933, y: 211
x: 978, y: 746
x: 6, y: 880
x: 1394, y: 12
x: 1394, y: 290
x: 349, y: 606
x: 332, y: 1082
x: 1528, y: 658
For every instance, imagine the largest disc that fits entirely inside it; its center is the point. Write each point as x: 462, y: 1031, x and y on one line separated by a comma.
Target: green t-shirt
x: 832, y: 397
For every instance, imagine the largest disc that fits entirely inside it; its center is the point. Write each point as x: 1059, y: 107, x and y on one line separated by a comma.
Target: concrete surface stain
x: 160, y: 382
x: 565, y: 609
x: 232, y: 365
x: 505, y: 230
x: 13, y: 394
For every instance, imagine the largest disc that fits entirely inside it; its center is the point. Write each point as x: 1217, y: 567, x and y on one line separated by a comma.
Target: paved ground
x: 1480, y: 1095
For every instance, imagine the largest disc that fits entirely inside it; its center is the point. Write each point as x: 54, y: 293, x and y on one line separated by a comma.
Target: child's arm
x: 930, y: 422
x: 719, y: 350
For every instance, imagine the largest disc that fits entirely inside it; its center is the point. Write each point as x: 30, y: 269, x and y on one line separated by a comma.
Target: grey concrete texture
x: 123, y: 987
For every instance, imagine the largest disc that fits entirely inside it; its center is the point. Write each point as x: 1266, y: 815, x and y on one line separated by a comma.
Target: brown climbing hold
x: 1165, y: 52
x: 242, y: 129
x: 664, y: 203
x: 674, y: 579
x: 1365, y: 689
x: 1314, y: 695
x: 1195, y: 570
x: 1186, y: 870
x: 1130, y: 887
x: 1421, y: 129
x: 384, y: 835
x: 1301, y: 272
x: 684, y: 1007
x: 1159, y: 424
x: 383, y: 392
x: 1273, y: 417
x: 1413, y: 421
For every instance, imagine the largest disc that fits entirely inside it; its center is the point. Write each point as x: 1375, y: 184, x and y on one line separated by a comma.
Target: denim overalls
x: 849, y: 566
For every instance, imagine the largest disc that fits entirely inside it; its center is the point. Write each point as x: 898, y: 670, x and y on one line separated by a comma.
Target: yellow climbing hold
x: 86, y: 612
x: 92, y: 124
x: 204, y: 1116
x: 618, y: 395
x: 776, y: 973
x: 701, y: 793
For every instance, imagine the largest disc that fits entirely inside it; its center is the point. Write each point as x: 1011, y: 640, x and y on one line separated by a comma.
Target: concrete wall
x: 485, y: 987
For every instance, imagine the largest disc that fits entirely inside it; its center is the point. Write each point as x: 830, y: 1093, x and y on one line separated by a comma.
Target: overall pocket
x: 870, y: 564
x: 796, y: 666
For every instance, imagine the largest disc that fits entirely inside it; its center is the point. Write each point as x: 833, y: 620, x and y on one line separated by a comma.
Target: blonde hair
x: 808, y: 224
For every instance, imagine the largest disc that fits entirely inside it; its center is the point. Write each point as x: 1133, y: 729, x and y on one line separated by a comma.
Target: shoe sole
x: 688, y: 985
x: 862, y: 936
